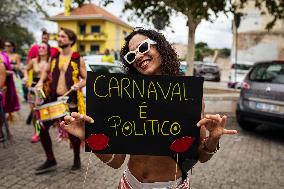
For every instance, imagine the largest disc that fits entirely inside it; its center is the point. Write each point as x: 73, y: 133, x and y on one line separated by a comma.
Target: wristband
x: 205, y: 148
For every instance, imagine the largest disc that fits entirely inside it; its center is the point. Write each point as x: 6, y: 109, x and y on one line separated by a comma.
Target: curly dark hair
x: 170, y: 63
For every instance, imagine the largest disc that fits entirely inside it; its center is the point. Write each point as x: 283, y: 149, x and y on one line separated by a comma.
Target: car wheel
x: 246, y: 125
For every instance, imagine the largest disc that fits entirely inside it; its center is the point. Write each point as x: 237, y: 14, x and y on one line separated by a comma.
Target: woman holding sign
x: 147, y: 52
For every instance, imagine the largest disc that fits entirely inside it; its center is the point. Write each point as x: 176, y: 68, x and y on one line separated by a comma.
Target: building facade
x: 254, y: 41
x: 95, y: 28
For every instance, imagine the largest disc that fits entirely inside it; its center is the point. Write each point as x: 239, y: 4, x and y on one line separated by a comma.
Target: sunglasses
x: 142, y: 48
x: 42, y: 47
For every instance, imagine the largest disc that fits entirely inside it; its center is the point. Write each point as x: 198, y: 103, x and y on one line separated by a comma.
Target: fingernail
x: 72, y: 119
x: 92, y: 121
x: 81, y: 116
x: 206, y: 115
x: 198, y: 124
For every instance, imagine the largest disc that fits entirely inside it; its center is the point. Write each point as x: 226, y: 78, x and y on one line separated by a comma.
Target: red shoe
x: 35, y: 139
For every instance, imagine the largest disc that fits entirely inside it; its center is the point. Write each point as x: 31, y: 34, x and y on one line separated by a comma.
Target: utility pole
x: 237, y: 21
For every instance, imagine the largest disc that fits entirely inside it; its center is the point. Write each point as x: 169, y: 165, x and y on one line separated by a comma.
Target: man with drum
x: 68, y: 75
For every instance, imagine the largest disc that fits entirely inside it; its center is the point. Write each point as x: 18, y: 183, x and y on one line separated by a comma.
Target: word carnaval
x: 132, y: 89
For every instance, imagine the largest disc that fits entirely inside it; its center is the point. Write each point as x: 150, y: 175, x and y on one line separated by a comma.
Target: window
x: 95, y: 48
x: 82, y: 28
x: 82, y: 48
x: 268, y: 72
x: 95, y: 29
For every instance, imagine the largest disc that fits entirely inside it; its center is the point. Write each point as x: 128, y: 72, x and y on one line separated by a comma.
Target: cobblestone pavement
x: 248, y: 160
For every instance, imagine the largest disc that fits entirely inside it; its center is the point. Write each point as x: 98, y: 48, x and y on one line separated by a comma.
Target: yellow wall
x: 114, y: 38
x: 128, y: 31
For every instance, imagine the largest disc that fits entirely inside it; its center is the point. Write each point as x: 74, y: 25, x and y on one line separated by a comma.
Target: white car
x: 94, y: 64
x: 97, y: 58
x: 236, y: 78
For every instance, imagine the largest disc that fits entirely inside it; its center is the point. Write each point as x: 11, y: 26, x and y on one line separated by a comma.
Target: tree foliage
x: 12, y: 14
x: 18, y: 34
x: 202, y: 50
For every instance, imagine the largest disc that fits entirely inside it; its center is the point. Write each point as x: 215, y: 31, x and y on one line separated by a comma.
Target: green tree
x: 18, y: 34
x: 202, y: 50
x: 225, y: 52
x: 12, y: 14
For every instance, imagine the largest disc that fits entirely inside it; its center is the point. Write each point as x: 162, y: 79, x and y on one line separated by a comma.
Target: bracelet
x: 205, y: 148
x: 111, y: 159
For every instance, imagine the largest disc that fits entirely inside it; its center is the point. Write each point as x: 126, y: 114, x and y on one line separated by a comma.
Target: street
x: 248, y: 160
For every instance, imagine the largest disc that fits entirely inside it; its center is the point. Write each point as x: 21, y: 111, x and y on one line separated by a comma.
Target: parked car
x: 97, y: 58
x: 210, y: 71
x: 262, y: 96
x: 242, y: 68
x: 94, y: 64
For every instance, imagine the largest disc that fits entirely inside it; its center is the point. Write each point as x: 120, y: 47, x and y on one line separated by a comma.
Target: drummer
x: 37, y: 65
x: 68, y: 73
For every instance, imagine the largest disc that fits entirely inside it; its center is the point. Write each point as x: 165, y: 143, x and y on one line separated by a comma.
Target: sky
x: 217, y: 34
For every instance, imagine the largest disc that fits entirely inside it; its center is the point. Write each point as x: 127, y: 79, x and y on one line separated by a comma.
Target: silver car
x: 262, y: 96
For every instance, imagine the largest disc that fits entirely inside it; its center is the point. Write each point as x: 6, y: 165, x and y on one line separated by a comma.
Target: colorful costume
x: 10, y: 98
x: 75, y: 97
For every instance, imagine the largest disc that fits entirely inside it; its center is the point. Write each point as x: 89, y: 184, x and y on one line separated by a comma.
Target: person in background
x: 68, y: 75
x: 33, y: 53
x: 2, y: 89
x: 14, y: 58
x: 107, y: 57
x: 37, y: 65
x: 10, y: 100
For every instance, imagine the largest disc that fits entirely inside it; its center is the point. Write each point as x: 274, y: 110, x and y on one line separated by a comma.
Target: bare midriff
x: 149, y: 169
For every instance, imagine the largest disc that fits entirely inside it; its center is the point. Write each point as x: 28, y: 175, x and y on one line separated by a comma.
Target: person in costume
x: 68, y: 71
x: 34, y: 53
x: 107, y: 57
x: 13, y: 57
x: 147, y: 52
x: 2, y: 89
x: 10, y: 100
x: 37, y: 65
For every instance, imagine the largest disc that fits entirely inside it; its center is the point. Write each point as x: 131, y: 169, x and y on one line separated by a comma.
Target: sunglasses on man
x: 142, y: 48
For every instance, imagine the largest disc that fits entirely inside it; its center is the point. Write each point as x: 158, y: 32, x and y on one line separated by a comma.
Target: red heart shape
x: 182, y: 144
x: 97, y: 141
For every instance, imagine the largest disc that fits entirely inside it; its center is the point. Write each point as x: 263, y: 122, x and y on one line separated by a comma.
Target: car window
x: 241, y: 66
x: 106, y: 69
x: 273, y: 73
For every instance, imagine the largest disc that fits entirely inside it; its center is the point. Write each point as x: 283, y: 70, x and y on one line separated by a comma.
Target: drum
x: 51, y: 111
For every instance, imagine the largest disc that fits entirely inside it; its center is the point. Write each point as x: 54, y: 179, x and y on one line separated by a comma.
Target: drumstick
x: 67, y: 93
x: 42, y: 93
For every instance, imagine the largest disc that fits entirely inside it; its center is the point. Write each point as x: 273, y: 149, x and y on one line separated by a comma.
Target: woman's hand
x: 215, y: 124
x: 76, y: 86
x: 75, y: 124
x: 39, y: 85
